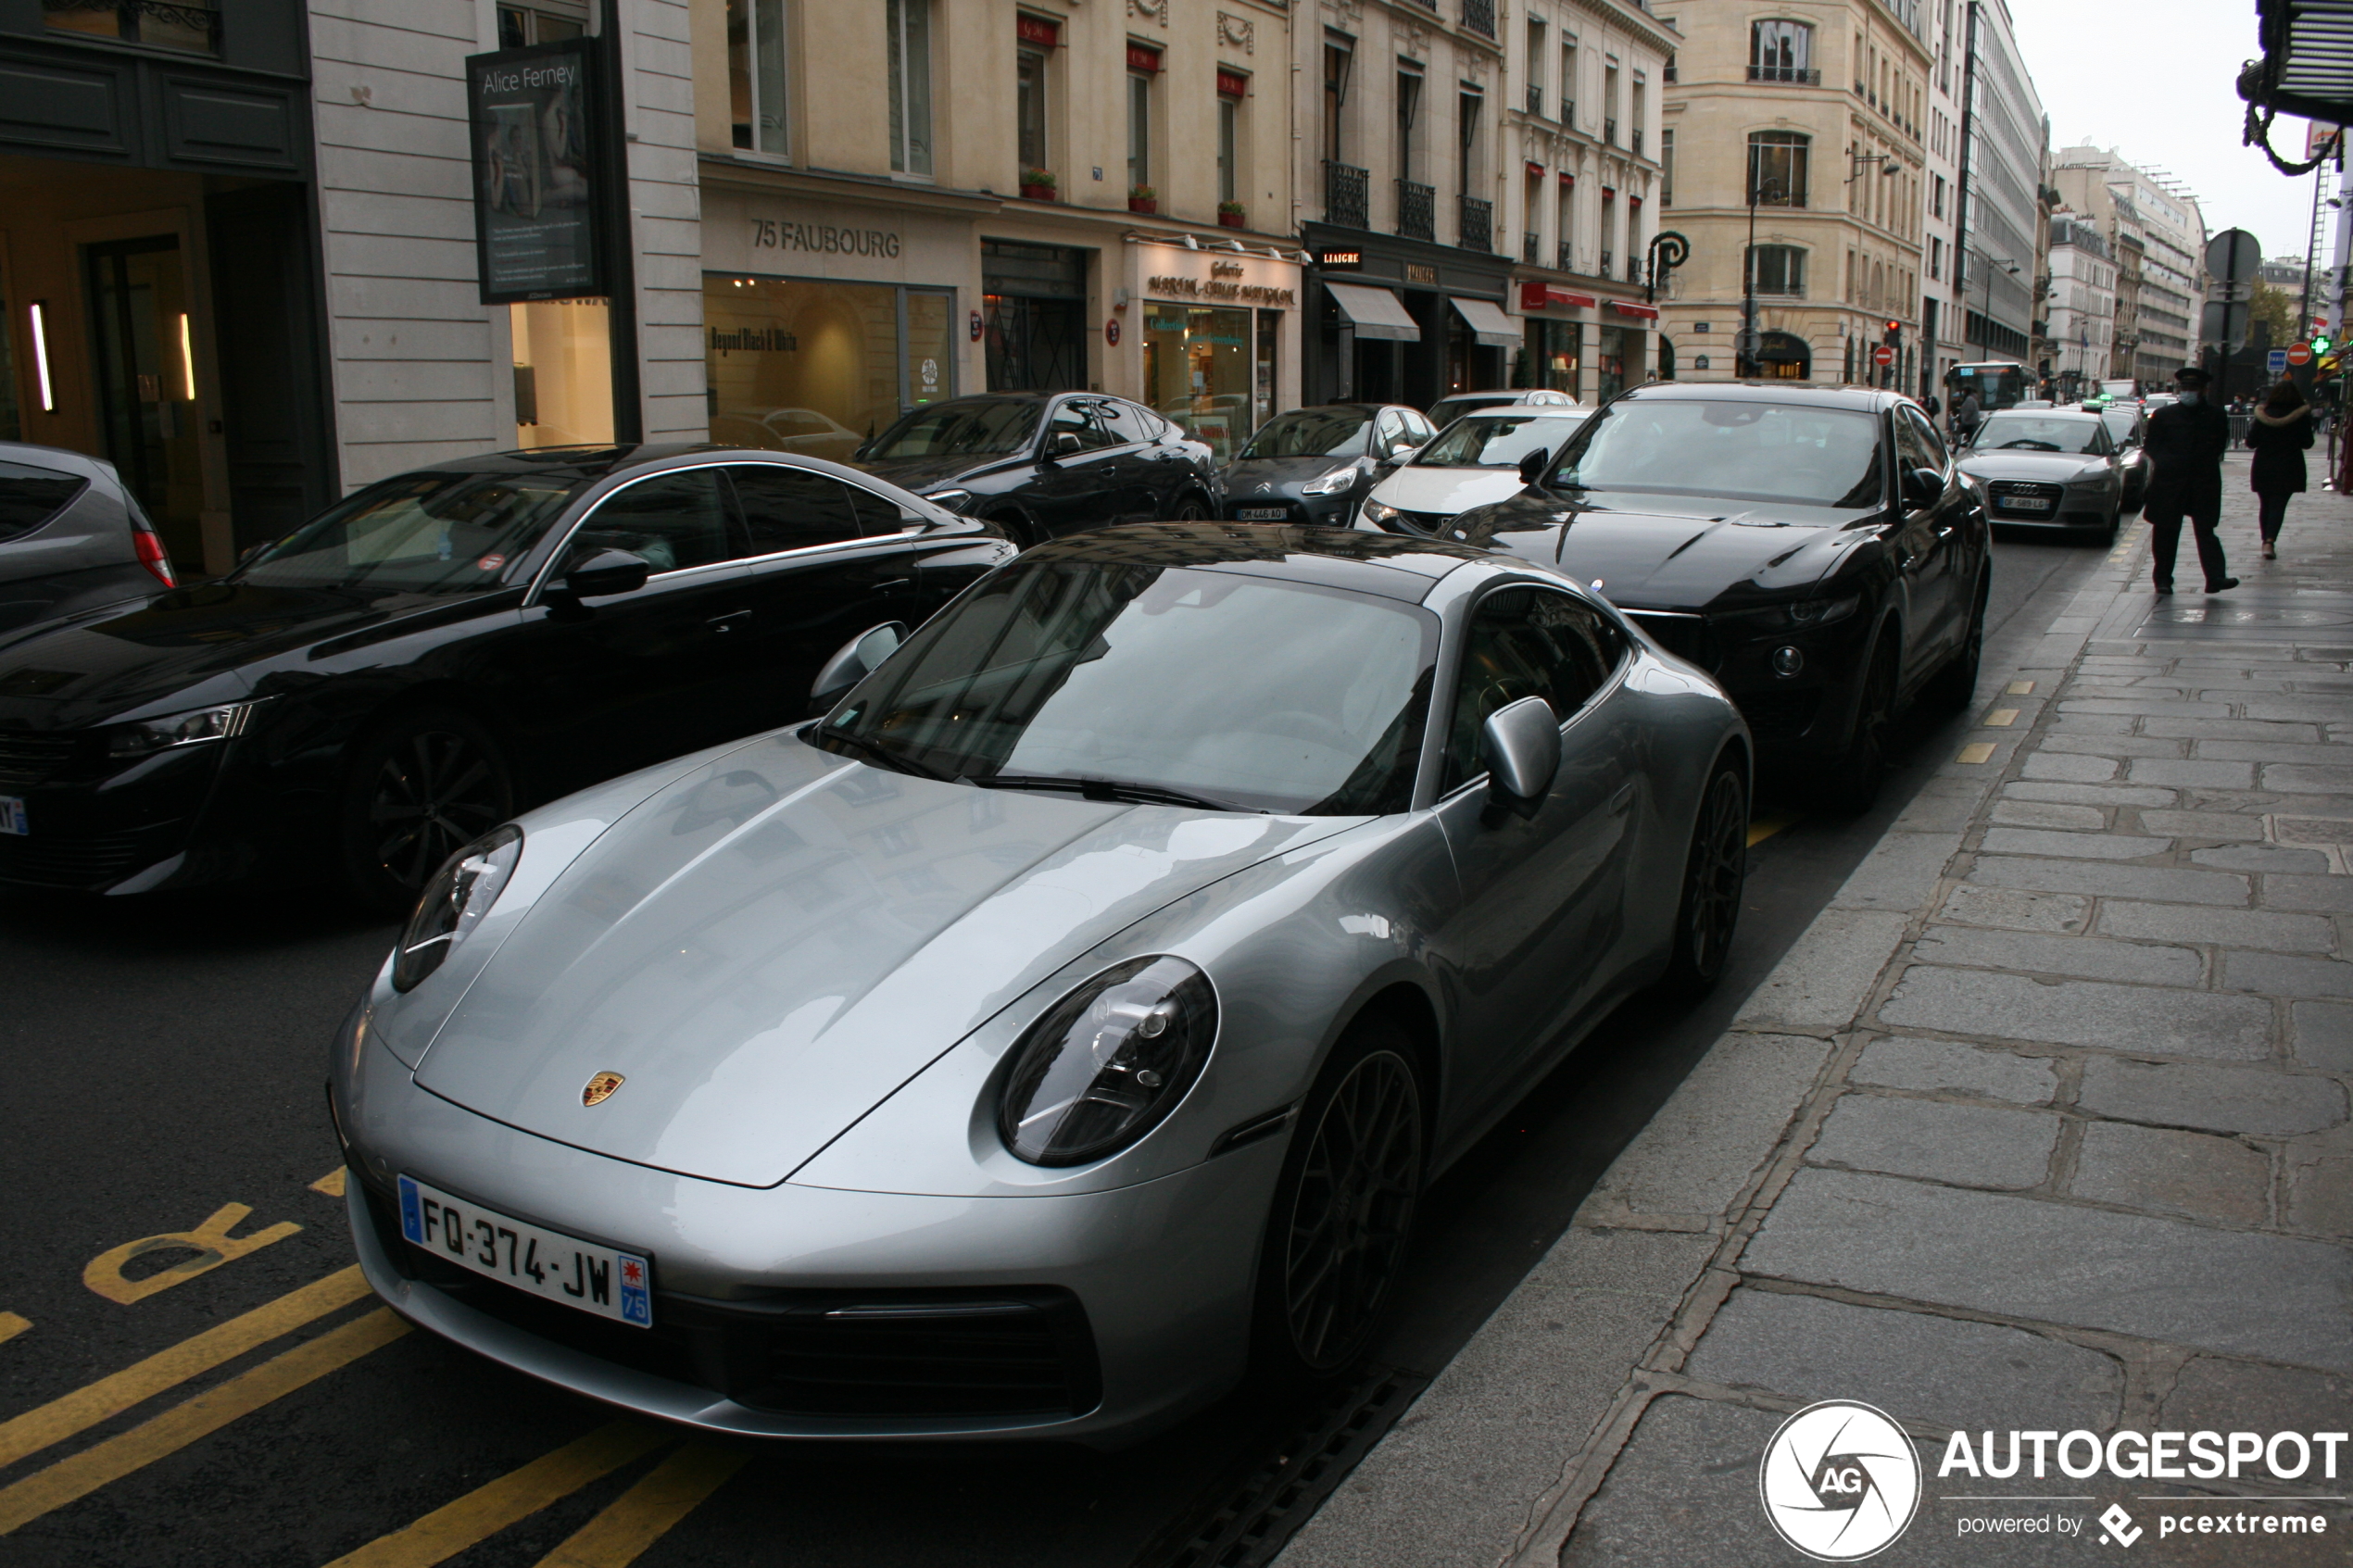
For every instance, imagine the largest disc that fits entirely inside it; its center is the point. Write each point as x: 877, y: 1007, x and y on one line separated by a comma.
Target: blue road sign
x: 2275, y: 362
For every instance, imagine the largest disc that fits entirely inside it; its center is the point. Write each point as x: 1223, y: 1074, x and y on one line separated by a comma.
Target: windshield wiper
x: 875, y: 751
x: 1106, y: 789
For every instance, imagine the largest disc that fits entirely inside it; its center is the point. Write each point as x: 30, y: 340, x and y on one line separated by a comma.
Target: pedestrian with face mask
x: 2279, y: 435
x: 2186, y: 441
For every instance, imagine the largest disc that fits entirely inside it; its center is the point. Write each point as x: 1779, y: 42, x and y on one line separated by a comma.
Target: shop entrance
x: 141, y: 351
x: 1036, y: 300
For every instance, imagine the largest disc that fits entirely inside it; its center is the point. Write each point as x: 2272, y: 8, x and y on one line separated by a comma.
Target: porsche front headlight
x: 454, y: 902
x: 1108, y: 1063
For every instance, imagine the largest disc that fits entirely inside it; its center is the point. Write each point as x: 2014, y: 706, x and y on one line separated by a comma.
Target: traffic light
x: 1894, y: 337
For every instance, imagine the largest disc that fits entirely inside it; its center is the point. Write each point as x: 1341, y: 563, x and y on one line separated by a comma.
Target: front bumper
x: 1801, y: 721
x: 1135, y: 1303
x: 1299, y: 511
x: 99, y: 827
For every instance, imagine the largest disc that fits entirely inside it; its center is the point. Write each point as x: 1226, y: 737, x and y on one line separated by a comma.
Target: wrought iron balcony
x: 1566, y: 260
x: 1638, y: 141
x: 1568, y: 111
x: 1531, y: 245
x: 1609, y: 131
x: 1476, y: 229
x: 1606, y: 264
x: 1790, y: 74
x: 1535, y: 99
x: 1478, y: 16
x: 1416, y: 211
x: 1345, y: 188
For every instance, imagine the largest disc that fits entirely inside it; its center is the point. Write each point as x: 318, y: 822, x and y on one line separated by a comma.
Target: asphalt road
x: 179, y: 1404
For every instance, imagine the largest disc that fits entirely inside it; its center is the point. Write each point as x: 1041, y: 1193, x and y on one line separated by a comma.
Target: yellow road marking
x: 517, y: 1495
x: 647, y: 1510
x: 211, y: 1243
x: 1762, y: 828
x: 1975, y: 752
x: 330, y: 1184
x: 2001, y: 718
x: 12, y: 1324
x: 110, y: 1395
x: 79, y: 1476
x: 2017, y: 688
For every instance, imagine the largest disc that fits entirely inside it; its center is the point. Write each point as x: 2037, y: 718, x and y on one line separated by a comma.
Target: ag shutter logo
x: 1839, y: 1481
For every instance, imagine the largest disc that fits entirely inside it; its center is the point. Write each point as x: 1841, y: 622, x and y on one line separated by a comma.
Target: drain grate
x: 1246, y: 1518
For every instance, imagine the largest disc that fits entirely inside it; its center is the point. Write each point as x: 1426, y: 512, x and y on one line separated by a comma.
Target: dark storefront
x: 1036, y: 299
x: 160, y: 276
x: 1408, y: 322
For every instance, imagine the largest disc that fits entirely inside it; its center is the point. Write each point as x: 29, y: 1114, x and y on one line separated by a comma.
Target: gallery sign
x: 1222, y: 288
x: 539, y: 183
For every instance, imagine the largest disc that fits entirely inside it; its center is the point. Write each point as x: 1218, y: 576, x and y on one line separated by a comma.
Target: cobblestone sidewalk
x: 2043, y: 1125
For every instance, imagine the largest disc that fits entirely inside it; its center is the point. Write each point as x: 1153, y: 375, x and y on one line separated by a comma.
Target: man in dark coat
x: 2187, y: 441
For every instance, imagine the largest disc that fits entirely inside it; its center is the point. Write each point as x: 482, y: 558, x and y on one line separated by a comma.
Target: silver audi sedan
x: 1064, y: 1023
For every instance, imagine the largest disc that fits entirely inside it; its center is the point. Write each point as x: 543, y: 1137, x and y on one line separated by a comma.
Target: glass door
x: 142, y: 344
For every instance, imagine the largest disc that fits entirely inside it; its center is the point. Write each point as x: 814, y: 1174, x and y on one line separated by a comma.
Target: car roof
x: 33, y: 455
x: 1528, y: 411
x: 1868, y: 399
x: 1392, y: 566
x: 2047, y: 413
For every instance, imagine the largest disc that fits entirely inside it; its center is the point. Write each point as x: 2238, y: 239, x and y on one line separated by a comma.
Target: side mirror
x: 1532, y: 464
x: 606, y: 572
x: 1922, y: 487
x: 1062, y: 443
x: 856, y: 659
x: 1521, y: 746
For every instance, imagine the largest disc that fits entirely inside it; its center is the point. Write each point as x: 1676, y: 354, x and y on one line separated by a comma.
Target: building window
x: 1409, y: 109
x: 1609, y: 104
x: 1781, y: 51
x: 1935, y: 256
x: 1338, y: 58
x: 1230, y: 90
x: 1536, y: 65
x: 756, y: 73
x: 1037, y: 37
x: 1667, y: 167
x: 1777, y: 270
x: 1568, y: 81
x: 191, y: 25
x: 520, y: 26
x: 909, y: 25
x: 1143, y: 63
x: 1777, y: 167
x: 1467, y: 107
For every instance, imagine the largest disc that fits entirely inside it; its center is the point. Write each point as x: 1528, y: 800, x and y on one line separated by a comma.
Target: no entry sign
x: 2300, y: 354
x: 1882, y: 356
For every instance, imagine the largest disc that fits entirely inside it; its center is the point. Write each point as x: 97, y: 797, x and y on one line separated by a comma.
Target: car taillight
x: 151, y: 555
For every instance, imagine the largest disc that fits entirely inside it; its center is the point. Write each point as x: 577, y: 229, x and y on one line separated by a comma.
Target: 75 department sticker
x: 1839, y: 1481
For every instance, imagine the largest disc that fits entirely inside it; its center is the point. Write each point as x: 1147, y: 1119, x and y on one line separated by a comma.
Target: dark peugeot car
x: 1816, y: 551
x: 440, y: 649
x: 71, y: 537
x: 1311, y: 466
x: 1041, y: 466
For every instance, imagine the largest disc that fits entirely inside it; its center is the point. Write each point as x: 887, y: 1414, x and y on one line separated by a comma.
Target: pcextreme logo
x: 1839, y: 1481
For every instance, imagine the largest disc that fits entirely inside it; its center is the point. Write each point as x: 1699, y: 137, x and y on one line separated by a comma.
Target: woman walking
x: 2279, y: 435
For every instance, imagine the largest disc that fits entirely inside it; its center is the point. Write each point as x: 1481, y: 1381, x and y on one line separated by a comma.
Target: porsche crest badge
x: 600, y: 1088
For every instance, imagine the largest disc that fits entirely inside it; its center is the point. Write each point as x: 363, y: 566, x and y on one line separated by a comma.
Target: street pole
x: 1744, y: 358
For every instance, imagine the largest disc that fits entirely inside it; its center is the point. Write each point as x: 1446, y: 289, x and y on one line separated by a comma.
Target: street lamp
x: 1745, y: 364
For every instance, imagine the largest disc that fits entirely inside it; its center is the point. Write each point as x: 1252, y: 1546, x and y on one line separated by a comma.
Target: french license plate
x: 12, y: 816
x: 2027, y: 502
x: 1262, y: 514
x: 595, y: 1279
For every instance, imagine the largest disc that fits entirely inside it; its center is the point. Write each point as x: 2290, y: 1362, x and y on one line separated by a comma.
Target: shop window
x: 756, y: 73
x: 563, y: 372
x: 816, y: 367
x: 520, y: 26
x: 1610, y: 361
x: 908, y: 26
x: 190, y: 25
x: 1199, y: 371
x: 1557, y: 351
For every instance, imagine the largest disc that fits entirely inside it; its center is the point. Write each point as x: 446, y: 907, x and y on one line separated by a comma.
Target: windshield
x: 1254, y: 692
x: 1310, y: 432
x: 2041, y: 432
x: 980, y: 427
x: 1807, y: 455
x: 419, y: 533
x: 1494, y: 441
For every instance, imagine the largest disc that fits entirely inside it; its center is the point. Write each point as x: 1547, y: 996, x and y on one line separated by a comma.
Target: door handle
x: 894, y: 582
x: 728, y: 621
x: 1622, y: 799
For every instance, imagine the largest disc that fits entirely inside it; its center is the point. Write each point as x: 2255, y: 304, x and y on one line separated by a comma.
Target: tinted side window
x: 1128, y: 422
x: 1929, y: 438
x: 675, y: 520
x: 879, y: 514
x: 1911, y: 452
x: 1523, y: 642
x: 1077, y: 419
x: 30, y: 497
x: 791, y: 509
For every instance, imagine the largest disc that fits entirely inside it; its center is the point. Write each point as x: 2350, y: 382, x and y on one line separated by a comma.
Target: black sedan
x: 444, y: 647
x: 71, y: 537
x: 1311, y: 466
x: 1816, y: 551
x: 1041, y: 466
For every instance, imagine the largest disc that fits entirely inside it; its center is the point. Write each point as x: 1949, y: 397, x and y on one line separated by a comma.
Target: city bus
x: 1999, y: 384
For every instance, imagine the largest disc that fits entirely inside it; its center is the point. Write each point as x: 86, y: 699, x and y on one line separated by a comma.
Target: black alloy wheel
x: 1712, y: 873
x: 1853, y: 780
x: 1953, y: 688
x: 419, y: 790
x: 1344, y: 1207
x: 1190, y: 509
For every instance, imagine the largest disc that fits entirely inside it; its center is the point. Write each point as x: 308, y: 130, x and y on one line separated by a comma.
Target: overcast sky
x: 2156, y: 80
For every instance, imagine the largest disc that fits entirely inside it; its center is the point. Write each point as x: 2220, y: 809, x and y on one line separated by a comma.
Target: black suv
x: 1040, y: 465
x: 1815, y: 550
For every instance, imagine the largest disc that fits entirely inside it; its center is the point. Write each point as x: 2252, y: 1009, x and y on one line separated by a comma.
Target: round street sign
x: 1882, y: 355
x: 2300, y: 354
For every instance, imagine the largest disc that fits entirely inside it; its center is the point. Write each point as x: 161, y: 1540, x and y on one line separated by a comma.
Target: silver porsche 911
x: 1068, y: 1019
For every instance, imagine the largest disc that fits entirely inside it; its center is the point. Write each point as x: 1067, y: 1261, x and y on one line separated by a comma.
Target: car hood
x: 1282, y: 476
x: 774, y: 942
x: 212, y: 642
x: 1658, y: 552
x: 1446, y: 490
x: 920, y: 474
x: 2047, y: 468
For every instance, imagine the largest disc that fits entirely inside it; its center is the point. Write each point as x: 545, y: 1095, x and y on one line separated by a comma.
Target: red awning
x: 1640, y: 312
x: 1535, y: 168
x: 1536, y: 296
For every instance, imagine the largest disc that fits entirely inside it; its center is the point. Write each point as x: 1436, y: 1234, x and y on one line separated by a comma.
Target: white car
x: 1474, y: 461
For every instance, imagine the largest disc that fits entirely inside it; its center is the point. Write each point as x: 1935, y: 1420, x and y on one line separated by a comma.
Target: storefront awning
x: 1488, y: 323
x: 1536, y: 296
x: 1640, y: 312
x: 1377, y: 313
